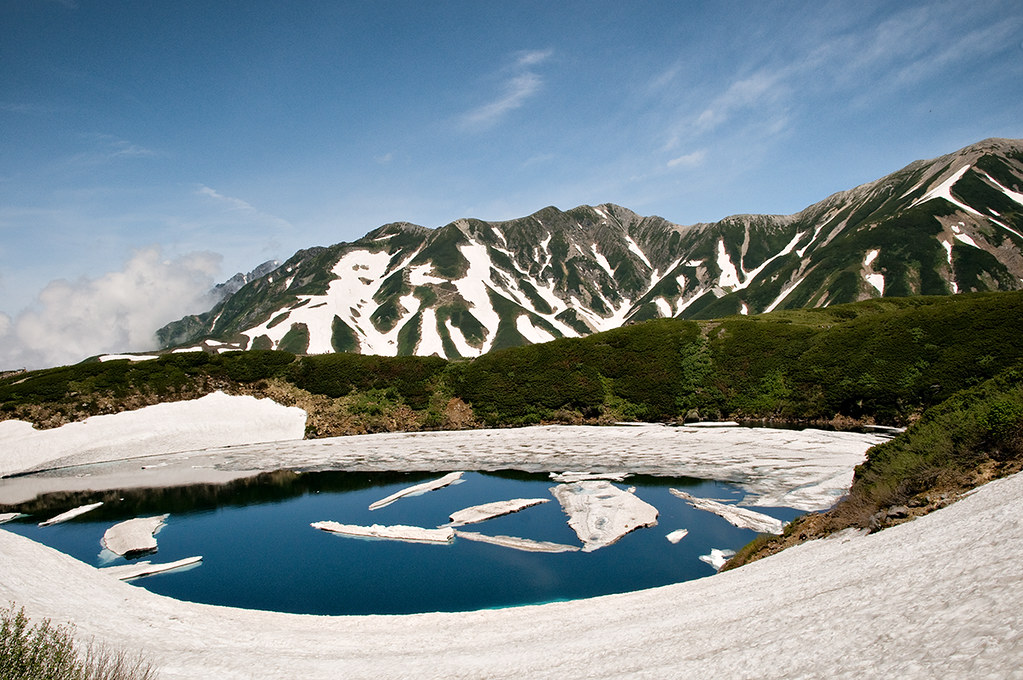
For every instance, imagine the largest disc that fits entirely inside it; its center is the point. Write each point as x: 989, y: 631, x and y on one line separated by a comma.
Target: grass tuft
x: 45, y: 651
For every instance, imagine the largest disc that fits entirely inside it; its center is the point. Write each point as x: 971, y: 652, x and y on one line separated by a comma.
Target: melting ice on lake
x: 259, y: 552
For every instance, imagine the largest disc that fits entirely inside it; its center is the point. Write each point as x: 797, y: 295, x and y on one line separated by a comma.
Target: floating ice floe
x: 8, y: 516
x: 526, y: 544
x: 134, y: 536
x: 568, y: 477
x: 394, y: 532
x: 600, y: 513
x: 677, y: 535
x: 70, y: 514
x: 717, y: 558
x: 479, y: 513
x: 740, y: 517
x: 126, y: 572
x: 449, y: 478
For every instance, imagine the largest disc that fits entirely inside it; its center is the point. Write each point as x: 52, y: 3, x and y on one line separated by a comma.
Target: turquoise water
x: 259, y: 551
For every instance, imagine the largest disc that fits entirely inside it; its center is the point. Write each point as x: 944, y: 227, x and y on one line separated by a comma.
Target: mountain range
x: 937, y: 227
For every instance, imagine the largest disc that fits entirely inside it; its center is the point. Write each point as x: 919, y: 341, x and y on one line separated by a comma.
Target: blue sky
x: 142, y: 142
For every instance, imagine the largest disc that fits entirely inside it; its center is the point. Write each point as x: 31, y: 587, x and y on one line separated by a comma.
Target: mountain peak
x: 951, y: 224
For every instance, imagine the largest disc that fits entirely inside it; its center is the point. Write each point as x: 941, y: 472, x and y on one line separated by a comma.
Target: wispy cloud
x: 26, y: 108
x: 107, y: 149
x: 689, y: 160
x: 520, y: 83
x: 231, y: 202
x: 752, y: 91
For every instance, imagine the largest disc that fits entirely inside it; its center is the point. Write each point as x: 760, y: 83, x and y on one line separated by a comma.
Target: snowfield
x: 217, y: 419
x: 805, y: 469
x: 935, y: 597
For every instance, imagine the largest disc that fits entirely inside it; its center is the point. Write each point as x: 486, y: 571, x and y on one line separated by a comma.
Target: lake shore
x: 936, y: 596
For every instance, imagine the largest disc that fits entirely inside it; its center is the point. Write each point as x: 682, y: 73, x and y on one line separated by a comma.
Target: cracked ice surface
x: 480, y: 513
x: 133, y: 536
x: 600, y: 513
x: 803, y: 469
x: 740, y: 517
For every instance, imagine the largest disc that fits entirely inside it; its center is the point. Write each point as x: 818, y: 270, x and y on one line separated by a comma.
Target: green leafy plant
x: 46, y: 652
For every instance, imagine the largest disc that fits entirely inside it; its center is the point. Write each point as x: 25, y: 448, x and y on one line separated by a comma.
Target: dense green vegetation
x: 884, y: 360
x: 949, y: 366
x: 979, y: 426
x: 972, y: 437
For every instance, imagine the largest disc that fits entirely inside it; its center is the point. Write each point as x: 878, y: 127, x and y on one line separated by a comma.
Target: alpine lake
x: 260, y: 552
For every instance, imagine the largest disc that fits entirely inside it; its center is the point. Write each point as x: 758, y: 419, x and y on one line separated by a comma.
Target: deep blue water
x: 259, y: 551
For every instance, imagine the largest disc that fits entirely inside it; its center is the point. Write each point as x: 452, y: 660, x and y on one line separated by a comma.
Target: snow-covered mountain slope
x: 952, y: 224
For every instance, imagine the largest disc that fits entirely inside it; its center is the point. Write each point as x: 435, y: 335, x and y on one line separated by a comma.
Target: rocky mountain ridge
x: 948, y: 225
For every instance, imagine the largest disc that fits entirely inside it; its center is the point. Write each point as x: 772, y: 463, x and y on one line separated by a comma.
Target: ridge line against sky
x: 152, y: 149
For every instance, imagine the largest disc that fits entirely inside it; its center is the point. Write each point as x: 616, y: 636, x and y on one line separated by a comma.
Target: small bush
x: 44, y: 651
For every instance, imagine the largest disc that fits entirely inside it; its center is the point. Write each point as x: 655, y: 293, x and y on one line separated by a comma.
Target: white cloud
x: 519, y: 85
x: 107, y: 149
x: 755, y: 90
x: 689, y: 160
x: 533, y: 57
x: 116, y: 312
x: 229, y: 201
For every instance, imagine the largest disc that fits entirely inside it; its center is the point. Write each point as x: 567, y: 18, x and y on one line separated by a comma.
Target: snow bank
x: 935, y: 597
x: 214, y: 420
x: 803, y: 469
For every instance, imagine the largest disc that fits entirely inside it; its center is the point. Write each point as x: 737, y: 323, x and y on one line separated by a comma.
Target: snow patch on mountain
x: 473, y: 289
x: 421, y: 275
x: 785, y: 292
x: 944, y: 190
x: 963, y: 238
x: 635, y: 249
x: 531, y: 332
x: 1014, y: 195
x: 729, y: 274
x: 602, y: 261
